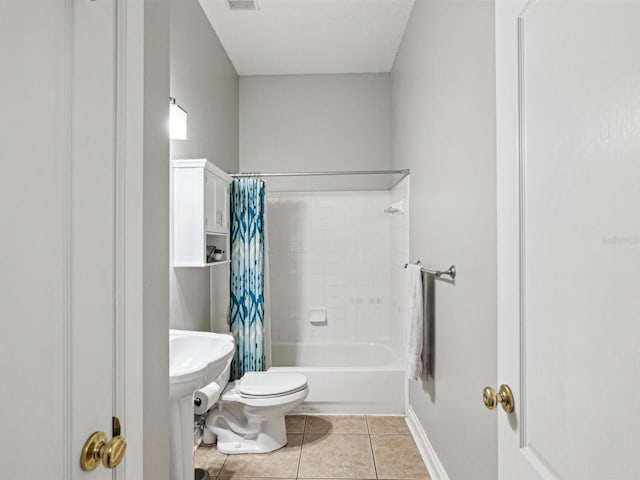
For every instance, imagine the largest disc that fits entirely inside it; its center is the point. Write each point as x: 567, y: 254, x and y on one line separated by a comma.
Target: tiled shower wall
x: 330, y: 250
x: 399, y: 257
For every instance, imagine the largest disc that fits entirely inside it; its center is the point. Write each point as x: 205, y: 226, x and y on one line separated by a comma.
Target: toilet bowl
x: 249, y: 416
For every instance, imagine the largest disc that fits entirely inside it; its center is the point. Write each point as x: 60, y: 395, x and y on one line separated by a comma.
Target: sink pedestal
x: 181, y: 418
x: 195, y: 359
x: 202, y: 474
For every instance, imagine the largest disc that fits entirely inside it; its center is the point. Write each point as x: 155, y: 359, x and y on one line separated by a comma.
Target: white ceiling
x: 311, y: 36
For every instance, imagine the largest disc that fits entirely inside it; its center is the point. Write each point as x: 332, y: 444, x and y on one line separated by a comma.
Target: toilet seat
x: 266, y: 389
x: 270, y: 384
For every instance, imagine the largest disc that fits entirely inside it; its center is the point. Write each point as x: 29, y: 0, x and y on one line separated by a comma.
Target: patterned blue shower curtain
x: 247, y: 275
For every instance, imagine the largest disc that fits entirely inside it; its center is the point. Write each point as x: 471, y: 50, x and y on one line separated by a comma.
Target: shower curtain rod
x: 404, y: 171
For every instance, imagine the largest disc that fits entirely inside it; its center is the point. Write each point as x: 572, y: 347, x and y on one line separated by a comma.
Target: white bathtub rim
x: 384, y: 368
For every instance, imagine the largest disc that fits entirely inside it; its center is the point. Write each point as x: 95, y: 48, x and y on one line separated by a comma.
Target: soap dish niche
x: 318, y: 316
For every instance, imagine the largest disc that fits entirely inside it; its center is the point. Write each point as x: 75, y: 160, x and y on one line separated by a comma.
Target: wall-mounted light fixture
x: 177, y: 121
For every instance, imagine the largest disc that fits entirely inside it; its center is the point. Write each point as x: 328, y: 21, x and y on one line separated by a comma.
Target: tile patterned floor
x: 327, y: 447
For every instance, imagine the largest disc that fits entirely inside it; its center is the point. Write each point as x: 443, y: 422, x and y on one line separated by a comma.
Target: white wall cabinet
x: 200, y: 212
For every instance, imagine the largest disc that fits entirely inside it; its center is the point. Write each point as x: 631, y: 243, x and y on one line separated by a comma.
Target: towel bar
x: 438, y: 273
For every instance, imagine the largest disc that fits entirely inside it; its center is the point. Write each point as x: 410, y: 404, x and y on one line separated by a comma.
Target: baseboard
x: 431, y: 460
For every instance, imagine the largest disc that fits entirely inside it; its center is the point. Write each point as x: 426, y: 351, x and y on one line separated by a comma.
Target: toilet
x: 249, y: 415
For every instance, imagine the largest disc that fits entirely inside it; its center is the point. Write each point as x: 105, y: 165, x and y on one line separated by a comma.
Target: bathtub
x: 345, y: 378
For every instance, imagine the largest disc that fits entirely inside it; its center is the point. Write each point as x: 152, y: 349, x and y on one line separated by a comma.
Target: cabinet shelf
x: 212, y: 264
x: 221, y: 262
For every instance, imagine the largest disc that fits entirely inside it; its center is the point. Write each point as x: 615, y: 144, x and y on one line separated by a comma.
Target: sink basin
x: 195, y: 359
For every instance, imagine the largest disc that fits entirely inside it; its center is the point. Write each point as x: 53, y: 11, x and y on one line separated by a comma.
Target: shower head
x: 397, y: 207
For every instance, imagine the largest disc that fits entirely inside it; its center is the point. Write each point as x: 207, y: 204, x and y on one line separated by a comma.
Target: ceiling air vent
x: 245, y: 5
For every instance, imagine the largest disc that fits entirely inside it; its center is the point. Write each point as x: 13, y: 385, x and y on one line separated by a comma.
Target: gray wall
x: 155, y: 238
x: 205, y: 84
x: 443, y: 97
x: 315, y: 122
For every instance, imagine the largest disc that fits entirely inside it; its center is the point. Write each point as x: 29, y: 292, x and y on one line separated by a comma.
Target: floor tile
x: 397, y: 457
x: 252, y: 478
x: 282, y: 463
x: 295, y: 423
x: 336, y: 424
x: 210, y: 459
x: 381, y: 425
x: 336, y: 456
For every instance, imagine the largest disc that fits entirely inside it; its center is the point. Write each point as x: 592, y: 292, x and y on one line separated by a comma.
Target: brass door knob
x: 504, y: 396
x: 98, y: 449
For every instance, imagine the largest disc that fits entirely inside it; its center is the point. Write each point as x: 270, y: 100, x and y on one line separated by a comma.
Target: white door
x: 57, y: 198
x: 568, y: 76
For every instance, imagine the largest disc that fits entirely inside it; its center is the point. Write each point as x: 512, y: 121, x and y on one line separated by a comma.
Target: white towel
x: 414, y: 323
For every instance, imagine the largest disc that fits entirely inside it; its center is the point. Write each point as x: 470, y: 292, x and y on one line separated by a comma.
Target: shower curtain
x: 248, y: 278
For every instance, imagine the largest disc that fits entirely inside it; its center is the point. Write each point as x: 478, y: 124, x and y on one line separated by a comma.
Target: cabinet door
x: 221, y: 205
x: 210, y: 181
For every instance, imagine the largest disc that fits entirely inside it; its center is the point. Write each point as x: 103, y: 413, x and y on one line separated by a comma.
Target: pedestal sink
x: 195, y: 359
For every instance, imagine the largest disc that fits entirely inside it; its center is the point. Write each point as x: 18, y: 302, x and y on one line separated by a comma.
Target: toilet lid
x: 269, y: 384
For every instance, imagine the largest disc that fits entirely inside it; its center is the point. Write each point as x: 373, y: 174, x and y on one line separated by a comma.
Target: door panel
x: 32, y: 190
x: 579, y: 237
x: 57, y: 201
x: 92, y: 223
x: 209, y: 202
x: 222, y: 194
